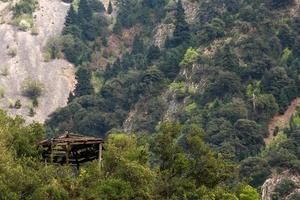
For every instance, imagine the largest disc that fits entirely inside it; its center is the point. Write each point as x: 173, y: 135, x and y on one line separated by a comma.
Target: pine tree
x: 85, y: 12
x: 84, y: 86
x: 109, y: 8
x: 138, y: 45
x: 153, y: 52
x: 71, y: 18
x: 181, y: 32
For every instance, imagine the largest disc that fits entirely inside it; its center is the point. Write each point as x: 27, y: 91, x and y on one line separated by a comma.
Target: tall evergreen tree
x: 84, y: 86
x: 85, y: 12
x: 109, y: 8
x: 181, y: 32
x: 138, y: 45
x: 71, y: 18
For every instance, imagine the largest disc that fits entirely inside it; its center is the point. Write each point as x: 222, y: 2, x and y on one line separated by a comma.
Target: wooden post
x: 51, y: 153
x: 76, y: 158
x: 100, y: 154
x: 68, y: 153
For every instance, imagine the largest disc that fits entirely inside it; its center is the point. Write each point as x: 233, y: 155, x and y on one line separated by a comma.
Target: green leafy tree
x: 249, y: 193
x: 190, y: 57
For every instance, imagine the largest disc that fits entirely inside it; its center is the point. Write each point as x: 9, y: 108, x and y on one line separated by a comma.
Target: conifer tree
x: 138, y: 45
x: 85, y: 12
x: 181, y: 32
x: 84, y: 86
x: 71, y: 18
x: 109, y: 8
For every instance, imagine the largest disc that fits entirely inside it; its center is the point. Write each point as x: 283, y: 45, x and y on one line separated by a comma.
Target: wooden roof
x: 71, y: 149
x: 71, y: 139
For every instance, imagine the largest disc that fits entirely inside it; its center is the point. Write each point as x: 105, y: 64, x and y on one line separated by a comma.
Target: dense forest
x: 184, y: 113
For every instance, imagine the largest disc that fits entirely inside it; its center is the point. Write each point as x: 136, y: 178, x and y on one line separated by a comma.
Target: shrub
x: 12, y: 51
x: 53, y: 48
x: 32, y: 112
x: 24, y: 25
x: 2, y: 92
x: 4, y: 71
x: 18, y: 104
x: 32, y: 88
x: 34, y: 30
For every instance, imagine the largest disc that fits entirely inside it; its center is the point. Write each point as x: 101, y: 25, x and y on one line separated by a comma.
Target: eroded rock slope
x: 57, y: 76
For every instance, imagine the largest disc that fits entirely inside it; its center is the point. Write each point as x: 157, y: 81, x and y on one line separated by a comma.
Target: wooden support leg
x: 51, y: 153
x: 68, y: 153
x: 100, y: 154
x: 76, y: 158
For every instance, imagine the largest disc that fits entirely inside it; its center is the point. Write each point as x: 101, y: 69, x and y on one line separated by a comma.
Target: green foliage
x: 18, y: 104
x: 256, y: 170
x: 111, y: 189
x: 225, y: 85
x: 24, y: 7
x: 284, y: 188
x: 50, y: 192
x: 249, y: 193
x: 133, y: 12
x: 279, y: 3
x: 54, y: 48
x: 138, y: 45
x: 247, y: 71
x: 84, y: 85
x: 32, y: 89
x: 182, y: 169
x: 181, y: 33
x: 109, y: 8
x: 190, y: 56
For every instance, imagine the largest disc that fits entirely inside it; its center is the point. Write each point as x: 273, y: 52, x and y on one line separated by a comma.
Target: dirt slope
x: 281, y: 120
x: 57, y: 75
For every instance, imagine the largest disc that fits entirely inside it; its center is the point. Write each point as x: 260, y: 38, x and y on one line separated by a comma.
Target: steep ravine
x: 57, y: 75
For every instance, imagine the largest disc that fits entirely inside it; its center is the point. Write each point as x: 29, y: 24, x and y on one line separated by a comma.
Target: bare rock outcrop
x: 27, y: 62
x: 271, y: 183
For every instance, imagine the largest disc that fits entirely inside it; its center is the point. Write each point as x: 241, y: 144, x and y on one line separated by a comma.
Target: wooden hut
x: 72, y: 149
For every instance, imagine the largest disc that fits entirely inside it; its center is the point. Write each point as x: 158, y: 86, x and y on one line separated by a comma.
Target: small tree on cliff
x: 109, y: 8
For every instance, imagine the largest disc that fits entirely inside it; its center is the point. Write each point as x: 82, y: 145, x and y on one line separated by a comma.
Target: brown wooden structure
x: 72, y: 149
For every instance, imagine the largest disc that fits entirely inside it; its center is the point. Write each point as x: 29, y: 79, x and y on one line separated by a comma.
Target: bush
x: 2, y: 92
x: 31, y: 112
x: 12, y: 51
x: 24, y: 25
x: 4, y: 71
x: 32, y: 88
x: 24, y: 7
x: 18, y: 104
x: 53, y: 48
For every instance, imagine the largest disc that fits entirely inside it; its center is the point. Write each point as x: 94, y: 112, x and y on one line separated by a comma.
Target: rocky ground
x: 57, y: 76
x: 281, y: 121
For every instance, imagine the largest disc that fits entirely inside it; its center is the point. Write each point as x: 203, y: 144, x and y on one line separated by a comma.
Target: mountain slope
x: 57, y: 76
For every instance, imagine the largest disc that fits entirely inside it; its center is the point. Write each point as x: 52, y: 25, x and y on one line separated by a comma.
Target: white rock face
x: 271, y: 183
x: 56, y: 75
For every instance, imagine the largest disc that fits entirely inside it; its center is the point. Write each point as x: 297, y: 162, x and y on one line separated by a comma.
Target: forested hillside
x: 183, y: 91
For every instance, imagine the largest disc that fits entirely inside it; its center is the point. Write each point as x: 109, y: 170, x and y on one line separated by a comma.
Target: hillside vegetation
x: 183, y: 93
